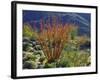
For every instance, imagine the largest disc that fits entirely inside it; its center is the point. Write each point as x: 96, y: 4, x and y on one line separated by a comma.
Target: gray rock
x: 41, y: 66
x: 40, y: 52
x: 26, y: 39
x: 37, y: 47
x: 33, y: 43
x: 26, y: 46
x: 30, y: 65
x: 30, y: 49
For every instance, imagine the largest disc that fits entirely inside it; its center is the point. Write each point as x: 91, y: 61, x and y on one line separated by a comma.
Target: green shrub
x: 50, y: 65
x: 75, y: 59
x: 29, y: 56
x: 29, y: 32
x: 63, y: 63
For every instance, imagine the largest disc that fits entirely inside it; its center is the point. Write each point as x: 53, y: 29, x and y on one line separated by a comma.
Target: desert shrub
x: 62, y: 63
x: 29, y: 32
x: 53, y: 39
x: 84, y: 59
x: 29, y: 56
x: 74, y: 32
x: 80, y: 40
x: 75, y: 59
x: 50, y: 65
x: 42, y: 59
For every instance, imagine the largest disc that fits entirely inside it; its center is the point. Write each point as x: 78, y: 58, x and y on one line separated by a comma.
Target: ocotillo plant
x: 53, y: 38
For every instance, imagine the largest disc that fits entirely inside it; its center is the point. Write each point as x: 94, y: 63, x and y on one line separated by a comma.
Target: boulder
x: 37, y: 47
x: 26, y: 39
x: 30, y: 65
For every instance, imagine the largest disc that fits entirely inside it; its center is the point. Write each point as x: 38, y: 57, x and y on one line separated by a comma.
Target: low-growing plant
x: 29, y: 56
x: 75, y: 59
x: 29, y: 32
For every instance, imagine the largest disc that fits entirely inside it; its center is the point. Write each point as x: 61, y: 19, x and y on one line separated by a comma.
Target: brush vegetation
x: 54, y: 45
